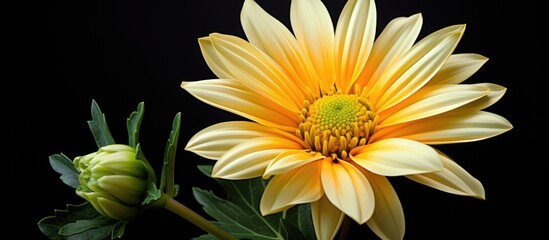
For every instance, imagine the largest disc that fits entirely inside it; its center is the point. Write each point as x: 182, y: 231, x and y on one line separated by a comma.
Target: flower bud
x: 114, y: 181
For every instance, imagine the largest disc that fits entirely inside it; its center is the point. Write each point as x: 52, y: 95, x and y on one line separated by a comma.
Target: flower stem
x: 181, y: 210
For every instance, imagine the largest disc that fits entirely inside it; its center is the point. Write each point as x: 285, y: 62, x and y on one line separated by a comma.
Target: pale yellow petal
x: 415, y: 67
x: 212, y: 142
x: 397, y: 157
x: 458, y: 68
x: 290, y: 160
x: 314, y: 31
x: 257, y: 71
x: 301, y: 185
x: 452, y: 179
x: 231, y: 96
x: 395, y: 39
x: 212, y: 59
x: 495, y: 93
x: 430, y: 101
x: 387, y: 222
x: 455, y: 126
x: 348, y: 189
x: 250, y: 159
x: 327, y: 219
x: 274, y: 39
x: 355, y: 34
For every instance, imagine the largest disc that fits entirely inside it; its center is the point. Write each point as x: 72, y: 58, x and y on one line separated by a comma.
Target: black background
x: 120, y: 53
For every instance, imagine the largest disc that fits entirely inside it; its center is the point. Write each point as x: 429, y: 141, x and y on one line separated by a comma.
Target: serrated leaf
x: 153, y: 194
x: 167, y: 178
x: 81, y: 226
x: 80, y: 222
x: 133, y: 124
x: 239, y: 214
x: 99, y: 128
x: 64, y: 166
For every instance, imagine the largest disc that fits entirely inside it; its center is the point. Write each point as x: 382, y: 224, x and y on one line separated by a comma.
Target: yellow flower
x: 334, y: 113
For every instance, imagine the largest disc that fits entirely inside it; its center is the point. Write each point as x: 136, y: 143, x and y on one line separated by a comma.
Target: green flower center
x: 334, y: 124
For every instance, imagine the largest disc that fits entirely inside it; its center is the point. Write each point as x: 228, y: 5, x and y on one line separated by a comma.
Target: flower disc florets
x: 336, y: 123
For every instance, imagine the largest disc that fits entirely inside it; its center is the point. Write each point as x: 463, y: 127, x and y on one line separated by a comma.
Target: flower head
x: 114, y: 181
x: 335, y: 111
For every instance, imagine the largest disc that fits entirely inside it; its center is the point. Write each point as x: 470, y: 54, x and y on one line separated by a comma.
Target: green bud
x: 114, y: 181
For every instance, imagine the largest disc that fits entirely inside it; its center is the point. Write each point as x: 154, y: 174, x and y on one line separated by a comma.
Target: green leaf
x: 99, y: 128
x: 239, y: 214
x: 64, y: 166
x: 167, y: 178
x: 80, y: 222
x: 153, y: 194
x: 300, y: 216
x: 133, y: 123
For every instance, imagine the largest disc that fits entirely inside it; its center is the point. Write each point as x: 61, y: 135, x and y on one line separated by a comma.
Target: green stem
x: 181, y: 210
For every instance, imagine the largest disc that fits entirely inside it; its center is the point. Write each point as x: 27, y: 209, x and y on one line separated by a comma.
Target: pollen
x: 334, y: 124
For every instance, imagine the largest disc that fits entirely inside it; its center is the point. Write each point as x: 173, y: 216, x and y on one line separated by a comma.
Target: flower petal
x: 290, y: 160
x: 354, y: 38
x: 212, y: 59
x: 452, y: 179
x: 273, y: 38
x: 212, y: 142
x: 301, y: 185
x: 326, y: 218
x: 231, y: 96
x: 430, y: 101
x: 456, y: 126
x: 388, y: 218
x: 127, y: 189
x: 458, y: 68
x: 348, y: 189
x: 397, y: 157
x: 397, y: 37
x: 250, y: 159
x: 257, y: 71
x: 314, y: 30
x: 495, y: 93
x: 415, y: 67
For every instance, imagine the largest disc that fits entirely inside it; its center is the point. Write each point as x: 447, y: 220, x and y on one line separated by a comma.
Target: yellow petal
x: 495, y: 93
x: 290, y: 160
x: 355, y: 34
x: 456, y: 126
x: 212, y: 59
x: 314, y: 31
x: 430, y: 101
x: 231, y: 96
x: 326, y: 218
x: 397, y: 37
x: 452, y: 179
x: 250, y: 158
x: 348, y: 189
x: 301, y: 185
x: 415, y: 67
x: 257, y: 71
x: 397, y: 157
x: 458, y: 68
x: 388, y: 218
x: 212, y: 142
x: 273, y: 38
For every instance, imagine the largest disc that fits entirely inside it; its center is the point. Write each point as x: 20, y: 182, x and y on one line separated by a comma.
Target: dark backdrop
x: 121, y: 53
